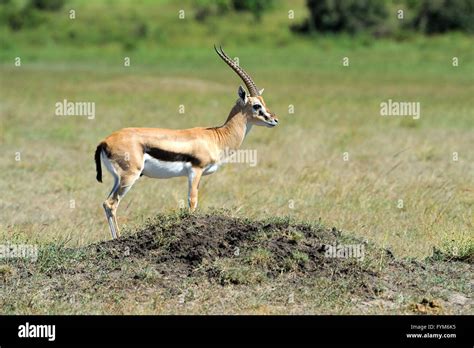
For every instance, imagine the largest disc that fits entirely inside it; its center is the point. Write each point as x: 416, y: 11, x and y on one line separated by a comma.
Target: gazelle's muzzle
x: 271, y: 121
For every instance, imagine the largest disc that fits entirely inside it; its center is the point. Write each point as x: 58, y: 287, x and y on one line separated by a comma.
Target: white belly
x: 154, y: 168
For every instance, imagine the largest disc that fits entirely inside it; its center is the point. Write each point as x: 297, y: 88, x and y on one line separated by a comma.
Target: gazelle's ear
x: 261, y: 91
x: 242, y: 94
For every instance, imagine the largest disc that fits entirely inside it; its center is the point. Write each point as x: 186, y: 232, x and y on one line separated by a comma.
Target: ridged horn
x: 253, y: 90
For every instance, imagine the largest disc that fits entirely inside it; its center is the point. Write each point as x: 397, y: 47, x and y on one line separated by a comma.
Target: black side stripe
x: 169, y: 156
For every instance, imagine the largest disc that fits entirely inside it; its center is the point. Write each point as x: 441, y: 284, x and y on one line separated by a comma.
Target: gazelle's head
x: 253, y: 105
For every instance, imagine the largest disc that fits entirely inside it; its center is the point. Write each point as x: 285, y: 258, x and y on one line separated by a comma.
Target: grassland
x: 215, y: 263
x: 51, y: 196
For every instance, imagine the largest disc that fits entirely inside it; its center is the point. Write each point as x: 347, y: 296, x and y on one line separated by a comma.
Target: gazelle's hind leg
x: 109, y: 217
x: 112, y: 203
x: 106, y: 204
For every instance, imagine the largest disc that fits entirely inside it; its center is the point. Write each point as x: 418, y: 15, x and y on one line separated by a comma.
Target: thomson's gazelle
x: 165, y: 153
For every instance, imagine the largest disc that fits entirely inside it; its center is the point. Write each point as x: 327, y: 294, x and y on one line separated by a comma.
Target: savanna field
x: 403, y: 186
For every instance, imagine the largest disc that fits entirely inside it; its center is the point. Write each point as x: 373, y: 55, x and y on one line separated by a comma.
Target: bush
x: 439, y: 16
x: 350, y: 16
x: 47, y: 5
x: 257, y: 7
x: 17, y: 15
x: 206, y: 8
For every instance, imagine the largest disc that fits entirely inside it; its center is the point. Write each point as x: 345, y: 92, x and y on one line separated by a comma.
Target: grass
x: 50, y: 196
x: 336, y: 111
x: 186, y: 263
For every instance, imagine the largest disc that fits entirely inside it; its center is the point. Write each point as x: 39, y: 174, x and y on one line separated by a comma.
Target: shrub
x: 439, y: 16
x: 345, y: 15
x: 47, y: 5
x: 257, y: 7
x: 206, y: 8
x: 17, y: 15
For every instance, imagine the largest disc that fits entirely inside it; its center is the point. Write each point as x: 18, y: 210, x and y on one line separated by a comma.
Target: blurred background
x: 326, y: 66
x: 137, y: 26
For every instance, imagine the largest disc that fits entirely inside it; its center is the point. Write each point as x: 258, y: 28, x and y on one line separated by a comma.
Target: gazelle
x: 165, y: 153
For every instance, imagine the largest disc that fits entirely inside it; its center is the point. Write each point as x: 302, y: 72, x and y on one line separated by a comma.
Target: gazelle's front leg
x: 194, y: 178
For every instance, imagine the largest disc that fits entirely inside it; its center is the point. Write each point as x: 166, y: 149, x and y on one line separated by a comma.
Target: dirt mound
x: 220, y: 264
x: 210, y: 243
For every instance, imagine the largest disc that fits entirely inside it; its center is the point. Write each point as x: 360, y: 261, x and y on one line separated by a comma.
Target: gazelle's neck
x: 233, y: 132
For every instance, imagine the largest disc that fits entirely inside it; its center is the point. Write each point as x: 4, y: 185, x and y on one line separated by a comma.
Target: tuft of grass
x: 297, y: 260
x: 230, y: 272
x: 147, y: 274
x: 6, y: 272
x: 294, y: 235
x: 54, y: 258
x: 261, y: 257
x: 453, y: 250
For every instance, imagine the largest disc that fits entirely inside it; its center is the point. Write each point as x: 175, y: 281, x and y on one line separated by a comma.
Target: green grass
x: 300, y: 171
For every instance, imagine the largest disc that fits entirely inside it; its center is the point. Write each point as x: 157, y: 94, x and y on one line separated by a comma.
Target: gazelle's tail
x: 98, y: 166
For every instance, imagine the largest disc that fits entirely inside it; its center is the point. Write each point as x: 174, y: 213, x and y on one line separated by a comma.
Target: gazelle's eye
x: 257, y: 106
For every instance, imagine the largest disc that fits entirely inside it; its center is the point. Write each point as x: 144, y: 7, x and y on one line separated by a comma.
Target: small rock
x: 458, y: 299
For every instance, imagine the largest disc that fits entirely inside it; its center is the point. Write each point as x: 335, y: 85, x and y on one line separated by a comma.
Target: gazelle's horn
x: 241, y: 72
